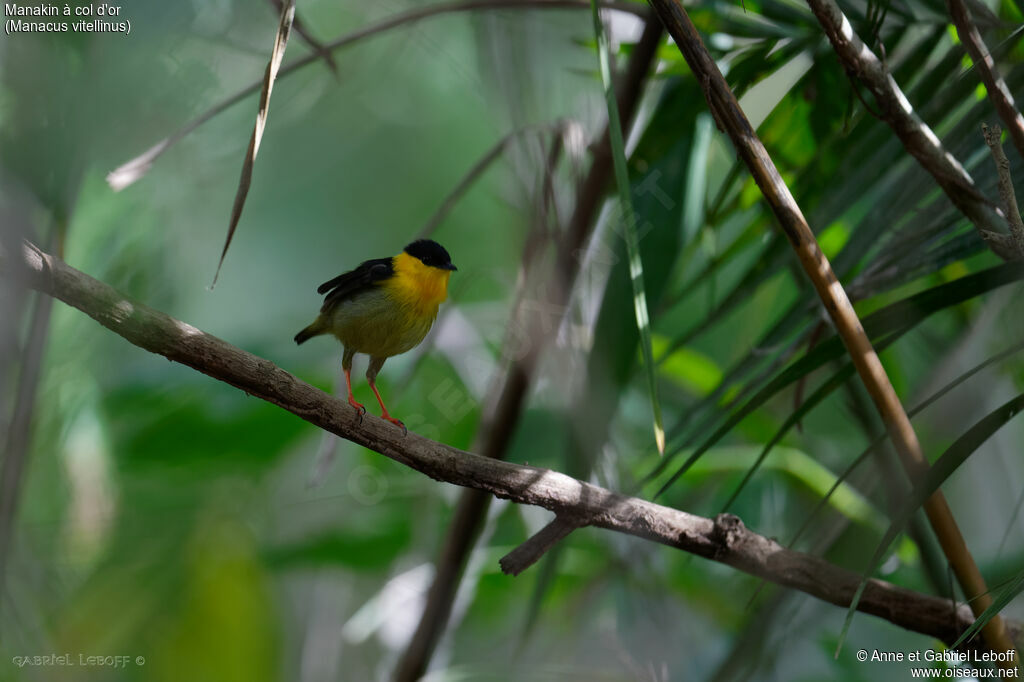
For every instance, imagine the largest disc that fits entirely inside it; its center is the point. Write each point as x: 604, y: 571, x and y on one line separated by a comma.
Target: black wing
x: 347, y: 285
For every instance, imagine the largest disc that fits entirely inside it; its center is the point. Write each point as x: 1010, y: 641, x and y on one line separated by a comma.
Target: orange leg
x: 384, y: 410
x: 360, y: 410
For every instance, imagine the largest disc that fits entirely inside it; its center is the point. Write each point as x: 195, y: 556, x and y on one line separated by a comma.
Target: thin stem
x: 19, y: 432
x: 1006, y: 192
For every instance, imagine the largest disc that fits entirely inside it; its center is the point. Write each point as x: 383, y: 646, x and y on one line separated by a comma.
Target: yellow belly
x: 375, y: 324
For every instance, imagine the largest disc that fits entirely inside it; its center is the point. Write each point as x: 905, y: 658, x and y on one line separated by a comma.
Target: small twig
x: 995, y: 86
x: 798, y: 392
x: 547, y: 213
x: 528, y: 553
x: 473, y: 174
x: 1006, y: 192
x: 319, y: 48
x: 855, y: 89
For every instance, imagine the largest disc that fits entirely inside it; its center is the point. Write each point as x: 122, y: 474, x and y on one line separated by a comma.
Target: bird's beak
x: 449, y: 266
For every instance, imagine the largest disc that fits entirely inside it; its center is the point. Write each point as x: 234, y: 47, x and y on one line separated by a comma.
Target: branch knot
x: 729, y: 531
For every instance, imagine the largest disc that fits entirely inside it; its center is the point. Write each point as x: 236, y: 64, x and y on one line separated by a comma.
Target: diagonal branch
x: 917, y: 138
x: 723, y: 539
x: 995, y: 86
x: 731, y: 119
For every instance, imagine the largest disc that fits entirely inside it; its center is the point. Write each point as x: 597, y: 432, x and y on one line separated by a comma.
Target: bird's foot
x: 360, y: 410
x: 396, y: 422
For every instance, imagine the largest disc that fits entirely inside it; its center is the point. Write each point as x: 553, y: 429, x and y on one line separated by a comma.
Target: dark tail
x: 306, y: 334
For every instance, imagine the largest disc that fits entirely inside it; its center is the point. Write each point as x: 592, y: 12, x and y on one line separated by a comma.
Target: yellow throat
x: 418, y: 286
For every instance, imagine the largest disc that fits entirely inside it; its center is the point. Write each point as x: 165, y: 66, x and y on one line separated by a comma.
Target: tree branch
x: 995, y: 86
x: 731, y: 119
x: 917, y: 138
x: 723, y: 539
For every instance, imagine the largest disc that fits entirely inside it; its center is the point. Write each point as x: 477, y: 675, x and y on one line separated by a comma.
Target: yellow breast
x: 417, y: 287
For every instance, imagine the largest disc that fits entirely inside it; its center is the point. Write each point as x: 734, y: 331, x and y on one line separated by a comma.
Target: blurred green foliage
x: 168, y: 518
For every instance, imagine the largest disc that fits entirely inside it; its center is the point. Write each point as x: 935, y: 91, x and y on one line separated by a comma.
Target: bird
x: 383, y: 307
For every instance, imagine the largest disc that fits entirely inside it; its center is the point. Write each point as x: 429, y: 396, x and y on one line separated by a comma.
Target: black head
x: 430, y: 253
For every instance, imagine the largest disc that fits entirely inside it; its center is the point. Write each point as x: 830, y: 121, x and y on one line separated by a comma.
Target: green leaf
x: 761, y: 270
x: 897, y: 318
x: 802, y: 467
x: 1005, y: 596
x: 636, y: 268
x: 955, y: 455
x: 226, y: 626
x: 881, y: 437
x: 812, y: 401
x: 660, y: 165
x: 359, y: 551
x: 178, y: 435
x: 689, y: 369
